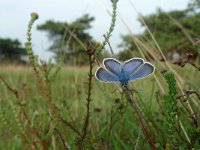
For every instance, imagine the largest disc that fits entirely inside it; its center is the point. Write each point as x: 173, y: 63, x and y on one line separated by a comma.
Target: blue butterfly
x: 114, y: 71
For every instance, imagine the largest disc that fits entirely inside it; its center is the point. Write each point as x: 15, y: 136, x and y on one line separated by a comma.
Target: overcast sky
x: 15, y: 14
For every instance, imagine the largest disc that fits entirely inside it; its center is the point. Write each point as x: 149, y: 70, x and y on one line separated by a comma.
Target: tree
x: 11, y: 50
x: 174, y: 30
x: 194, y: 5
x: 128, y: 47
x: 166, y: 32
x: 68, y: 38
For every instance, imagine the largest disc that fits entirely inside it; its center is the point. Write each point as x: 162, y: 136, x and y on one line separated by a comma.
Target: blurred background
x: 174, y: 26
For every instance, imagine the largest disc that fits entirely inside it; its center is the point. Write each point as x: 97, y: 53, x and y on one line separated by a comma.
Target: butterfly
x: 114, y: 71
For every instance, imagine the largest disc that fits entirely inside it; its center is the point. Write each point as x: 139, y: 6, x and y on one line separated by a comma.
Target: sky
x: 15, y: 14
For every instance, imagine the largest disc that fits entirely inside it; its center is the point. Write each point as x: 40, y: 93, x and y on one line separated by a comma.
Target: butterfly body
x: 114, y: 71
x: 123, y: 76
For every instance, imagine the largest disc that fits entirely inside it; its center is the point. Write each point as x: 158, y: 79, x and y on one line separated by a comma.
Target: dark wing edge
x: 135, y: 58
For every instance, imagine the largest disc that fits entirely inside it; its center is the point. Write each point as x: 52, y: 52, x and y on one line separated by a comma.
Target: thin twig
x: 188, y: 93
x: 111, y: 50
x: 14, y: 91
x: 112, y: 122
x: 191, y: 63
x: 90, y: 52
x: 181, y: 137
x: 70, y: 126
x: 66, y: 147
x: 138, y: 139
x: 133, y: 103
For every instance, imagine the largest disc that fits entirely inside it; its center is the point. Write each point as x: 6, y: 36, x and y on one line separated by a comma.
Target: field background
x: 111, y: 122
x: 59, y: 104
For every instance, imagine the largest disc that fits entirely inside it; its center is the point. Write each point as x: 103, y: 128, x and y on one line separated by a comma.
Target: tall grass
x: 55, y: 107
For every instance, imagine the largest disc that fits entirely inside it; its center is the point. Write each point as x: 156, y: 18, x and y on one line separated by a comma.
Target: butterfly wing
x: 112, y: 65
x: 143, y: 71
x: 105, y: 76
x: 132, y: 64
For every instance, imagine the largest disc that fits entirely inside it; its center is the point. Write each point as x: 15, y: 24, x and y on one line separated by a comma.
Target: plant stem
x: 62, y: 140
x: 90, y: 52
x: 134, y: 105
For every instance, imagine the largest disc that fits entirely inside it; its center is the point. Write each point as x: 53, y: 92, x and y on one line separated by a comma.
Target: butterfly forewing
x: 131, y: 65
x: 112, y: 65
x: 143, y: 71
x: 106, y: 76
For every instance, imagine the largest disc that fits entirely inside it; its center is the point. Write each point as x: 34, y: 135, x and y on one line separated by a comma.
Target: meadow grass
x: 46, y: 106
x: 113, y: 123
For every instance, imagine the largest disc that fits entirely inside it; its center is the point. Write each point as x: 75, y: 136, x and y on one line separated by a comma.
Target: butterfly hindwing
x: 112, y: 65
x: 106, y: 76
x: 143, y: 71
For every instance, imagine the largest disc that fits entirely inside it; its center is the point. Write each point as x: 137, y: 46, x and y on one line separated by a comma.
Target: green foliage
x: 127, y: 43
x: 45, y: 72
x: 112, y: 25
x: 194, y: 5
x: 128, y: 47
x: 46, y: 110
x: 69, y: 39
x: 170, y: 106
x: 109, y: 127
x: 32, y: 59
x: 198, y: 48
x: 11, y: 50
x: 174, y: 31
x: 165, y: 31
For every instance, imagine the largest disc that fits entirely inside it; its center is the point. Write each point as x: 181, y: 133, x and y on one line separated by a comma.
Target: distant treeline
x: 176, y: 32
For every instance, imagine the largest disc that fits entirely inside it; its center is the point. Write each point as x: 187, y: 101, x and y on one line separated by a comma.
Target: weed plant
x: 54, y: 107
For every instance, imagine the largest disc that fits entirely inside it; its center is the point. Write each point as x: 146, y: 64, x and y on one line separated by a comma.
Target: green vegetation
x: 11, y: 50
x: 69, y: 39
x: 50, y: 106
x: 113, y: 122
x: 170, y: 104
x: 174, y: 31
